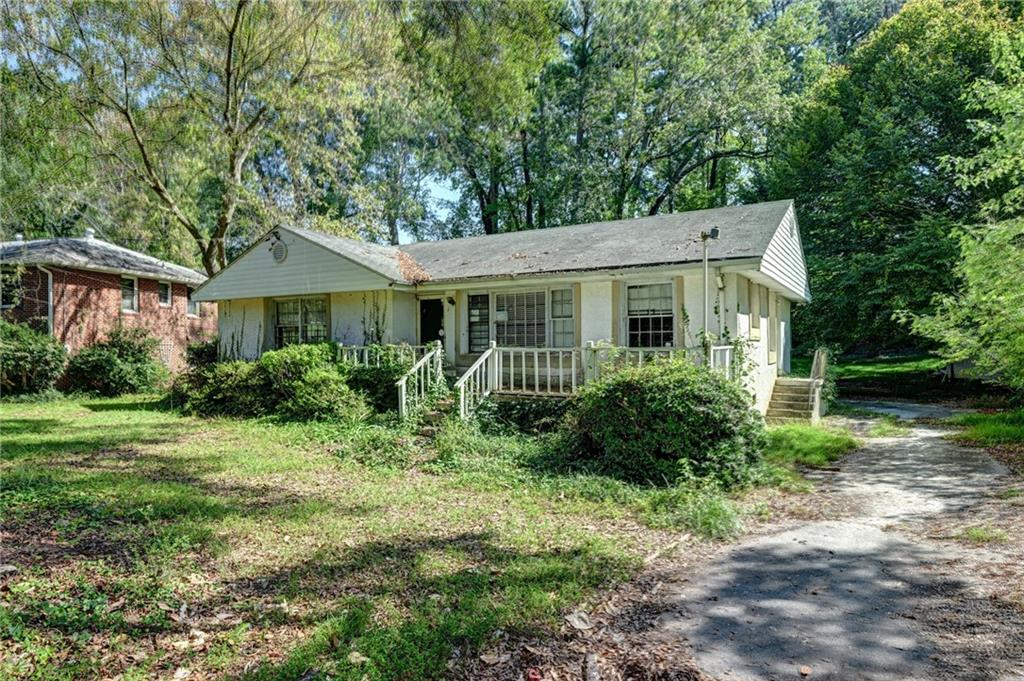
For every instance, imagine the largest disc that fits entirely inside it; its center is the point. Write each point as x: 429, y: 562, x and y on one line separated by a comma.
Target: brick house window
x: 193, y: 305
x: 649, y: 316
x: 129, y: 294
x: 163, y: 289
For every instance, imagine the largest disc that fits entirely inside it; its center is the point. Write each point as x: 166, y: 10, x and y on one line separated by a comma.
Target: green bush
x: 202, y: 353
x: 665, y: 422
x: 377, y: 382
x: 30, y: 361
x: 298, y: 382
x: 320, y: 394
x: 123, y: 363
x: 235, y: 388
x: 525, y: 415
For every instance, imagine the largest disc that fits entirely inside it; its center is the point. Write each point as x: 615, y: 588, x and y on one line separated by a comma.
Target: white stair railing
x: 373, y: 355
x: 419, y: 381
x: 478, y: 382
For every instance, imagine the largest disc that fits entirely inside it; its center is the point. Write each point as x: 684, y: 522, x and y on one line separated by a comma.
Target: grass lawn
x: 150, y: 543
x: 807, y: 445
x: 1001, y: 432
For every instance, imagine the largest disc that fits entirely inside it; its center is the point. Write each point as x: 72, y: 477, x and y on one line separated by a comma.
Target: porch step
x: 791, y: 401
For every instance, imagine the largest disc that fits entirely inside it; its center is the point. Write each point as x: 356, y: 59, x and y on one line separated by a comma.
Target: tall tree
x: 248, y: 106
x: 983, y: 321
x: 878, y: 207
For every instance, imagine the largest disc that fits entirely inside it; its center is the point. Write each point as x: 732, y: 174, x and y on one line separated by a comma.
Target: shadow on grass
x: 412, y: 604
x: 156, y: 403
x: 13, y: 427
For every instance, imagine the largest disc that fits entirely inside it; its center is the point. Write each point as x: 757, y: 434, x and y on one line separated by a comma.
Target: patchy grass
x: 1012, y: 493
x: 148, y: 543
x: 983, y: 534
x: 807, y: 445
x: 889, y: 426
x: 989, y: 429
x: 875, y: 367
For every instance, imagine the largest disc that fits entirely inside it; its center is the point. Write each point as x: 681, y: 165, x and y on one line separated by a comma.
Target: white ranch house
x: 533, y: 312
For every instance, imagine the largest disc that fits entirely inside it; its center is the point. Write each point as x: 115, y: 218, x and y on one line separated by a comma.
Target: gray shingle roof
x: 95, y: 254
x: 639, y: 242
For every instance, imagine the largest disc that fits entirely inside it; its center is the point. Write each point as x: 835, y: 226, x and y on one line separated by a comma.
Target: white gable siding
x: 241, y: 326
x: 308, y: 269
x: 783, y: 260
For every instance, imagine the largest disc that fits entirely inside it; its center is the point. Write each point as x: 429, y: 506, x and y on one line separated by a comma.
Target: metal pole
x: 706, y: 336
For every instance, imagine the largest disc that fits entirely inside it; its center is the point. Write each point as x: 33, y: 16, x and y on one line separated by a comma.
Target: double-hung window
x: 163, y: 290
x: 129, y: 294
x: 562, y: 326
x: 520, y: 319
x: 649, y: 319
x: 301, y: 320
x: 479, y: 322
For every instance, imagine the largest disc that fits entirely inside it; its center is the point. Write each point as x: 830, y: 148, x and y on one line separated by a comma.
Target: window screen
x: 479, y: 322
x: 164, y: 292
x: 289, y: 322
x: 129, y: 295
x: 519, y: 319
x: 649, y: 316
x: 301, y: 320
x: 562, y: 327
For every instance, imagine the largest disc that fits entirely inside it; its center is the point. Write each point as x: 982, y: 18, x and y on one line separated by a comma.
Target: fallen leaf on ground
x: 579, y: 620
x: 356, y: 657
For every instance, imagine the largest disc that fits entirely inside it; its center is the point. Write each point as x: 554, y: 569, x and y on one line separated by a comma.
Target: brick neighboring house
x: 80, y: 289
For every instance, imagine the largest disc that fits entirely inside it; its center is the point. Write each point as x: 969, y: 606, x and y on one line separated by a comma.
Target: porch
x: 521, y: 371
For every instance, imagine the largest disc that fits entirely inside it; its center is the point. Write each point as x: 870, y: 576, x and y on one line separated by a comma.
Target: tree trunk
x: 527, y: 187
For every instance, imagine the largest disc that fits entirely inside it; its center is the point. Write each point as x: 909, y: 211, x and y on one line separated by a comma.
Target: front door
x: 431, y: 321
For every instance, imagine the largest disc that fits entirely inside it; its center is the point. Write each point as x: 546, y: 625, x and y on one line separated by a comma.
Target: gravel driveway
x: 856, y: 598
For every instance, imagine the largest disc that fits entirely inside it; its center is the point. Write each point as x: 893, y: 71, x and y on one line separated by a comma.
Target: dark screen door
x: 431, y: 321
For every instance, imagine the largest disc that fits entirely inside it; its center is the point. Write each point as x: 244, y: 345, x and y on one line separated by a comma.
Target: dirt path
x: 860, y: 598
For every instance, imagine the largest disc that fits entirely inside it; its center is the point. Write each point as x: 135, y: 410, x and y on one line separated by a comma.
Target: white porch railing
x: 539, y: 371
x: 417, y: 383
x: 478, y: 382
x: 373, y: 355
x: 599, y: 358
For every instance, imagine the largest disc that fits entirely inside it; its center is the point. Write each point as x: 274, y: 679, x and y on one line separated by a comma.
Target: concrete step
x: 788, y: 413
x: 787, y: 402
x: 795, y: 389
x: 796, y: 382
x: 428, y: 432
x: 782, y: 420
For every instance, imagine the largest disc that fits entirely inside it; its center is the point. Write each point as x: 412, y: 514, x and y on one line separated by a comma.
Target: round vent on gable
x: 280, y: 251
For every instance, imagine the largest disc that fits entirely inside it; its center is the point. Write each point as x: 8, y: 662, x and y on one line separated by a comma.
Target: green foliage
x: 124, y: 362
x: 808, y: 445
x: 377, y: 446
x: 991, y: 429
x: 666, y: 422
x: 377, y: 381
x: 236, y: 388
x: 703, y: 510
x: 865, y: 160
x: 983, y: 322
x: 202, y: 353
x: 299, y: 382
x: 523, y: 415
x: 30, y: 361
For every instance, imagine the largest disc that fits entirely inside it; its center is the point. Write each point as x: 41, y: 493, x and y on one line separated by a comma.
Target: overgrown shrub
x: 666, y: 422
x: 377, y: 382
x: 235, y: 388
x: 299, y: 382
x: 526, y: 415
x: 202, y: 353
x: 30, y: 361
x: 124, y: 362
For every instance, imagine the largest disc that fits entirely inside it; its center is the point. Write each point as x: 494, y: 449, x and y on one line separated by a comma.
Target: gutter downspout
x: 49, y: 299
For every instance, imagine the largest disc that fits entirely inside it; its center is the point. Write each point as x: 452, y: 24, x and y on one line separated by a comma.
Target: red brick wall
x: 87, y: 306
